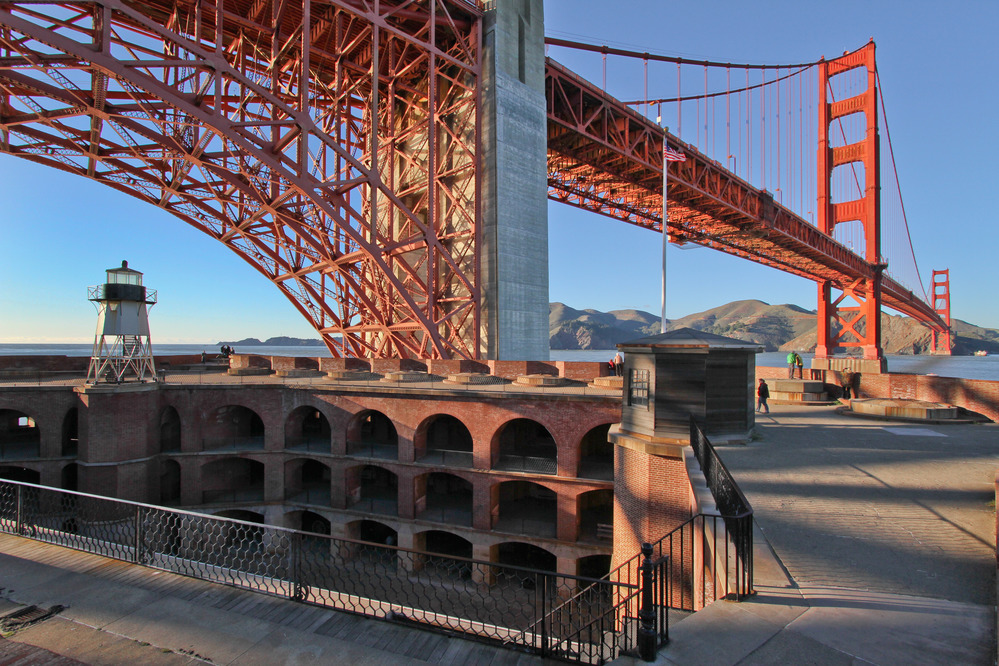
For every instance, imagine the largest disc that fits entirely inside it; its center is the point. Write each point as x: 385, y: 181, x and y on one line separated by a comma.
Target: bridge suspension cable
x: 760, y: 121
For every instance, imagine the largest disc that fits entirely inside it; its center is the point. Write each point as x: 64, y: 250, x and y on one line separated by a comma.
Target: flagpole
x: 669, y: 155
x: 662, y: 321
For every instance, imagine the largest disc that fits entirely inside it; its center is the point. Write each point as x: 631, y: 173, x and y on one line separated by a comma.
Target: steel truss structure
x: 607, y: 158
x: 332, y: 145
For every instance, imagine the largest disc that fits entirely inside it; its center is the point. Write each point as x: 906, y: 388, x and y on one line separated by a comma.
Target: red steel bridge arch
x: 333, y: 146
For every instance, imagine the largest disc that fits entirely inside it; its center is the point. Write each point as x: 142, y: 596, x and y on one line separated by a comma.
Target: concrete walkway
x: 875, y: 545
x: 120, y: 613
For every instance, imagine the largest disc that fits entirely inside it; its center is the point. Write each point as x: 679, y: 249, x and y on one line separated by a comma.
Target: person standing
x: 762, y: 393
x: 790, y: 364
x: 619, y: 364
x: 798, y: 363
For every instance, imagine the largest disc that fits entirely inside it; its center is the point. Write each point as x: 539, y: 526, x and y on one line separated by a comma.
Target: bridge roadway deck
x: 875, y: 545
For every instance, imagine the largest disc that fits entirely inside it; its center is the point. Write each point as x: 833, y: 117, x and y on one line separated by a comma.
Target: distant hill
x: 280, y: 341
x: 775, y: 327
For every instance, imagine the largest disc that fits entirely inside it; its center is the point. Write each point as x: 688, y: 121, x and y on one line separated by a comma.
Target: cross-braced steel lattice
x: 333, y: 145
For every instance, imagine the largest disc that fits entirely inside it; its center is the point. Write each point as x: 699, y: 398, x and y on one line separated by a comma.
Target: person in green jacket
x: 790, y: 364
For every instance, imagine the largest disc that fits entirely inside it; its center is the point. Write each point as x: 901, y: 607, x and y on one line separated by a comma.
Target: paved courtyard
x: 874, y: 545
x: 875, y: 505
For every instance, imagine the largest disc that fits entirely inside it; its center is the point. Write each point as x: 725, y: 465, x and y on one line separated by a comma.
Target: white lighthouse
x: 122, y: 349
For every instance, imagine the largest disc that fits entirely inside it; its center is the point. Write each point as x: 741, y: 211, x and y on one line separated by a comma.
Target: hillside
x: 280, y: 341
x: 775, y: 327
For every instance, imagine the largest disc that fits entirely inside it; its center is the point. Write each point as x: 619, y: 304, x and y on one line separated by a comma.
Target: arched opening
x: 307, y: 482
x: 593, y: 566
x: 20, y: 437
x: 443, y: 440
x: 373, y: 531
x: 314, y: 523
x: 377, y: 555
x: 69, y: 478
x: 169, y: 482
x: 442, y: 547
x: 372, y: 435
x: 232, y: 480
x: 373, y: 489
x: 444, y: 498
x: 169, y: 430
x: 523, y: 445
x: 307, y: 429
x: 595, y: 516
x: 234, y: 428
x: 596, y: 455
x: 71, y: 433
x: 22, y: 474
x: 528, y: 556
x: 526, y: 508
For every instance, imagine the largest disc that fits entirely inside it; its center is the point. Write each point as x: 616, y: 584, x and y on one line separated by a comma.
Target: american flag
x: 671, y: 155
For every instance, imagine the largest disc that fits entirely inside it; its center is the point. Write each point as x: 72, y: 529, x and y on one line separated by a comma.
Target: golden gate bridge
x: 339, y: 148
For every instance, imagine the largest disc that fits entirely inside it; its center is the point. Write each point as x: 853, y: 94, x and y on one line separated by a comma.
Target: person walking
x: 762, y: 393
x: 619, y: 364
x: 790, y: 364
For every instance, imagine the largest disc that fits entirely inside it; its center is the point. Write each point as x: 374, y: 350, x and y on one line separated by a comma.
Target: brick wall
x: 651, y: 497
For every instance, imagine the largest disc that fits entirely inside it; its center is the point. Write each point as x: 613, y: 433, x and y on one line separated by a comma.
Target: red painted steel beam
x: 606, y: 158
x: 332, y: 146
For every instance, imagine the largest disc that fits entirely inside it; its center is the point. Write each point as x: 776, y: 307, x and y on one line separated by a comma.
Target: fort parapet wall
x: 976, y: 395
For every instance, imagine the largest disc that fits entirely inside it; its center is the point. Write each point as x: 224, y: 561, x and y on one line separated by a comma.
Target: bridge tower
x: 941, y: 342
x: 853, y: 318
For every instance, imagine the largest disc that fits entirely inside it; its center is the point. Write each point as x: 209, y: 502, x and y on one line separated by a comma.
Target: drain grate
x: 22, y: 617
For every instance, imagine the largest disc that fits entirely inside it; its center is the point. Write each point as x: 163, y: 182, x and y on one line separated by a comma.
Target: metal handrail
x: 482, y: 600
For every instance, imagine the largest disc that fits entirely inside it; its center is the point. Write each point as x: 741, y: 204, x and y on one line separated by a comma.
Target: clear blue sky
x: 937, y: 65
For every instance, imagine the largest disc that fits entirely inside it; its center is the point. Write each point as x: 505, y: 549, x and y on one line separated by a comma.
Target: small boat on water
x: 980, y: 352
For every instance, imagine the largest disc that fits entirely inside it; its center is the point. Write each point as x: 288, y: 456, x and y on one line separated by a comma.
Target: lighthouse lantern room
x: 122, y: 349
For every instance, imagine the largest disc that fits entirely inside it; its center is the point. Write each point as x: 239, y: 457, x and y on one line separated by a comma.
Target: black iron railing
x: 733, y: 505
x: 573, y: 618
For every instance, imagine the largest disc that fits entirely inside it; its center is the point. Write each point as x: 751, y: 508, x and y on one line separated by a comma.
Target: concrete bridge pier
x: 514, y: 250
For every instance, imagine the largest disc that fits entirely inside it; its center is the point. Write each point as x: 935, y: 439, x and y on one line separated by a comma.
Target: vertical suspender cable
x: 728, y: 113
x: 645, y: 62
x: 705, y: 108
x: 780, y: 180
x: 763, y: 128
x: 749, y: 127
x: 679, y: 103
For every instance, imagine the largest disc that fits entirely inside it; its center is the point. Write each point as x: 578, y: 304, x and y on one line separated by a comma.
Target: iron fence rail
x: 566, y: 617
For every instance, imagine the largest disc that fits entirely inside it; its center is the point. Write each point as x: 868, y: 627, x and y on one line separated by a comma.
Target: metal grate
x: 26, y: 616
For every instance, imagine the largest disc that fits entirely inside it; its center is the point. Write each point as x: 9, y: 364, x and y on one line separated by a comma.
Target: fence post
x: 647, y: 615
x: 137, y: 545
x: 541, y: 589
x: 299, y: 591
x: 18, y: 514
